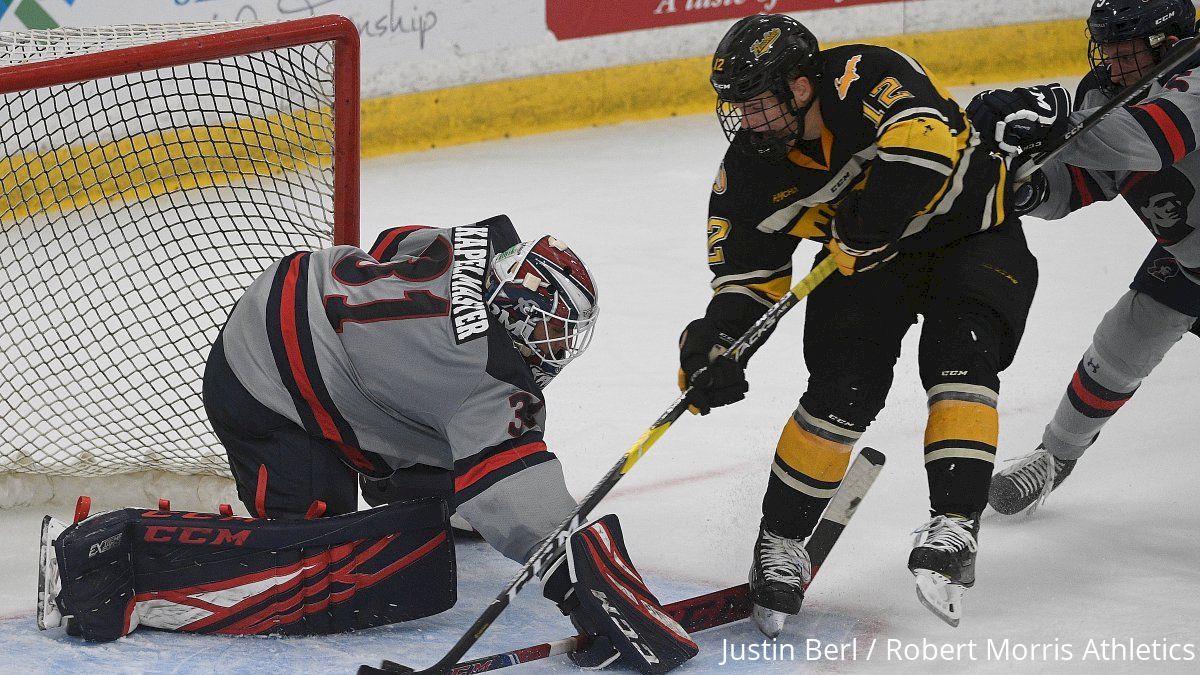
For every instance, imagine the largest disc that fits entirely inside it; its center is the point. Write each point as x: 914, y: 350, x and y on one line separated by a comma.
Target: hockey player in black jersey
x: 857, y: 147
x: 1145, y: 153
x: 420, y: 365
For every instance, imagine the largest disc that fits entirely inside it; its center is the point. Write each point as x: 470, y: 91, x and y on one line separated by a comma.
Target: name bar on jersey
x: 469, y: 315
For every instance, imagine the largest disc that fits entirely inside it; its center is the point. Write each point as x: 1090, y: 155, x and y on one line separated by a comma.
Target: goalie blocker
x: 209, y: 573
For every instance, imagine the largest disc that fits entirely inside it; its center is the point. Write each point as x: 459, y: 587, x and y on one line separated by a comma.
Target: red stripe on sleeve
x: 1133, y: 179
x: 392, y: 235
x: 357, y: 458
x: 291, y: 343
x: 1091, y: 399
x: 1085, y: 195
x: 495, y: 462
x: 1169, y: 130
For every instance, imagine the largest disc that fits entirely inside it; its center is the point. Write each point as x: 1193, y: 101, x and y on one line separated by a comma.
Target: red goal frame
x: 224, y: 44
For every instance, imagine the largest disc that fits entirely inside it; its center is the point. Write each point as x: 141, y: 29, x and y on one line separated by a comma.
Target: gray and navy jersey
x: 1144, y: 153
x: 393, y: 356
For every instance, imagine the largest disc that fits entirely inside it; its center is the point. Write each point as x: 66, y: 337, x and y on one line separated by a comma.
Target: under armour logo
x: 1093, y: 366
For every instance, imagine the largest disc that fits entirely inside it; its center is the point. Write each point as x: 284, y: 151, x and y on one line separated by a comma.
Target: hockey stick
x: 694, y: 614
x: 556, y: 541
x: 719, y: 607
x: 1125, y: 97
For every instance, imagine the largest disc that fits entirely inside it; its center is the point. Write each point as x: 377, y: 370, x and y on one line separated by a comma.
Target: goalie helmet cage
x: 149, y: 174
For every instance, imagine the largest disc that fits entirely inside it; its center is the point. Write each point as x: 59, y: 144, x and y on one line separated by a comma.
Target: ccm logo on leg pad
x: 165, y: 534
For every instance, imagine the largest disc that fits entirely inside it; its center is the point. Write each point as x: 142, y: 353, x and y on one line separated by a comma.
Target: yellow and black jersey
x: 891, y: 132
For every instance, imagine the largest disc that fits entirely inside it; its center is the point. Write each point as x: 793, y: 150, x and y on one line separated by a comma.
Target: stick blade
x: 873, y: 456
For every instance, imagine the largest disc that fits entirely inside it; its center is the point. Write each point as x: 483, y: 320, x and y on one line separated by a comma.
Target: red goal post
x: 147, y: 175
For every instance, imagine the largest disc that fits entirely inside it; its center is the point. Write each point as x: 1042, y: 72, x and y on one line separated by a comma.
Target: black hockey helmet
x: 760, y: 54
x: 1116, y: 21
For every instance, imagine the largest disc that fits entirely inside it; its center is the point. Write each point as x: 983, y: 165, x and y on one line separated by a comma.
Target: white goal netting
x: 134, y: 208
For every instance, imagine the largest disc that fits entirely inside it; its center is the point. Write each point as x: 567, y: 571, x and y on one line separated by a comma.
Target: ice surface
x: 1112, y: 555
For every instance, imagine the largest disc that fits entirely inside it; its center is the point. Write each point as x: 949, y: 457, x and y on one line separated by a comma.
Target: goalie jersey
x: 392, y: 354
x: 890, y: 133
x: 1146, y: 154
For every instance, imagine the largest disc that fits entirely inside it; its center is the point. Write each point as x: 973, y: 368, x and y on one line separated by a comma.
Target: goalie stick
x: 1123, y: 98
x: 555, y: 542
x: 713, y: 609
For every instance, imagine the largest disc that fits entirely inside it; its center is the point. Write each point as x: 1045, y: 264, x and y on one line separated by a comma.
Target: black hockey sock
x: 959, y: 487
x: 789, y: 513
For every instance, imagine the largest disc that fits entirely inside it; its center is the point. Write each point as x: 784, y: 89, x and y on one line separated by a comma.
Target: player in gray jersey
x: 390, y: 363
x: 1143, y: 152
x: 419, y: 365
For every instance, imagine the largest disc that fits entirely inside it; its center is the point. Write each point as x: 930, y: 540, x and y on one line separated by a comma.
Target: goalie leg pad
x: 207, y: 573
x: 615, y: 603
x: 49, y: 583
x: 95, y: 568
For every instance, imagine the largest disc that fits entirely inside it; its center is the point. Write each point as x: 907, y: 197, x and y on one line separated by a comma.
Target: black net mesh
x: 133, y: 211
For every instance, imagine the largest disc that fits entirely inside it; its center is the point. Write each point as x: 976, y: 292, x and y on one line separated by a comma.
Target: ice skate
x: 943, y: 561
x: 1028, y: 481
x: 780, y: 571
x: 49, y: 583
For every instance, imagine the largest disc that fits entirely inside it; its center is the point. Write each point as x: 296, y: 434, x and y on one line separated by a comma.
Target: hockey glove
x: 850, y: 260
x: 602, y: 592
x: 716, y: 380
x: 1020, y: 120
x: 854, y: 246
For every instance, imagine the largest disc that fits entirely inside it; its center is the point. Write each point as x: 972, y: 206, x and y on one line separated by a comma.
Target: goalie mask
x: 544, y: 295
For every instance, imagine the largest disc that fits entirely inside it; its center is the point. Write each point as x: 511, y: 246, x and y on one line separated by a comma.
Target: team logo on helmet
x: 764, y: 44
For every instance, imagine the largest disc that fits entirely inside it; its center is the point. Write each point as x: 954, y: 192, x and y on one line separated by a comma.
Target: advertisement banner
x: 407, y: 45
x: 585, y: 18
x: 421, y: 45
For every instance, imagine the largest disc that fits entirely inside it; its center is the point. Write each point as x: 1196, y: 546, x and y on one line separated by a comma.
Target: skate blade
x: 769, y: 621
x: 939, y: 595
x: 48, y: 615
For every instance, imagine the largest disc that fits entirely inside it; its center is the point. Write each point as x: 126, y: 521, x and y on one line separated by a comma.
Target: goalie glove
x: 597, y: 586
x: 1020, y: 120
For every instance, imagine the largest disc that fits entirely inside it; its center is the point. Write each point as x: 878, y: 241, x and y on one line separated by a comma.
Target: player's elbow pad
x: 926, y: 142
